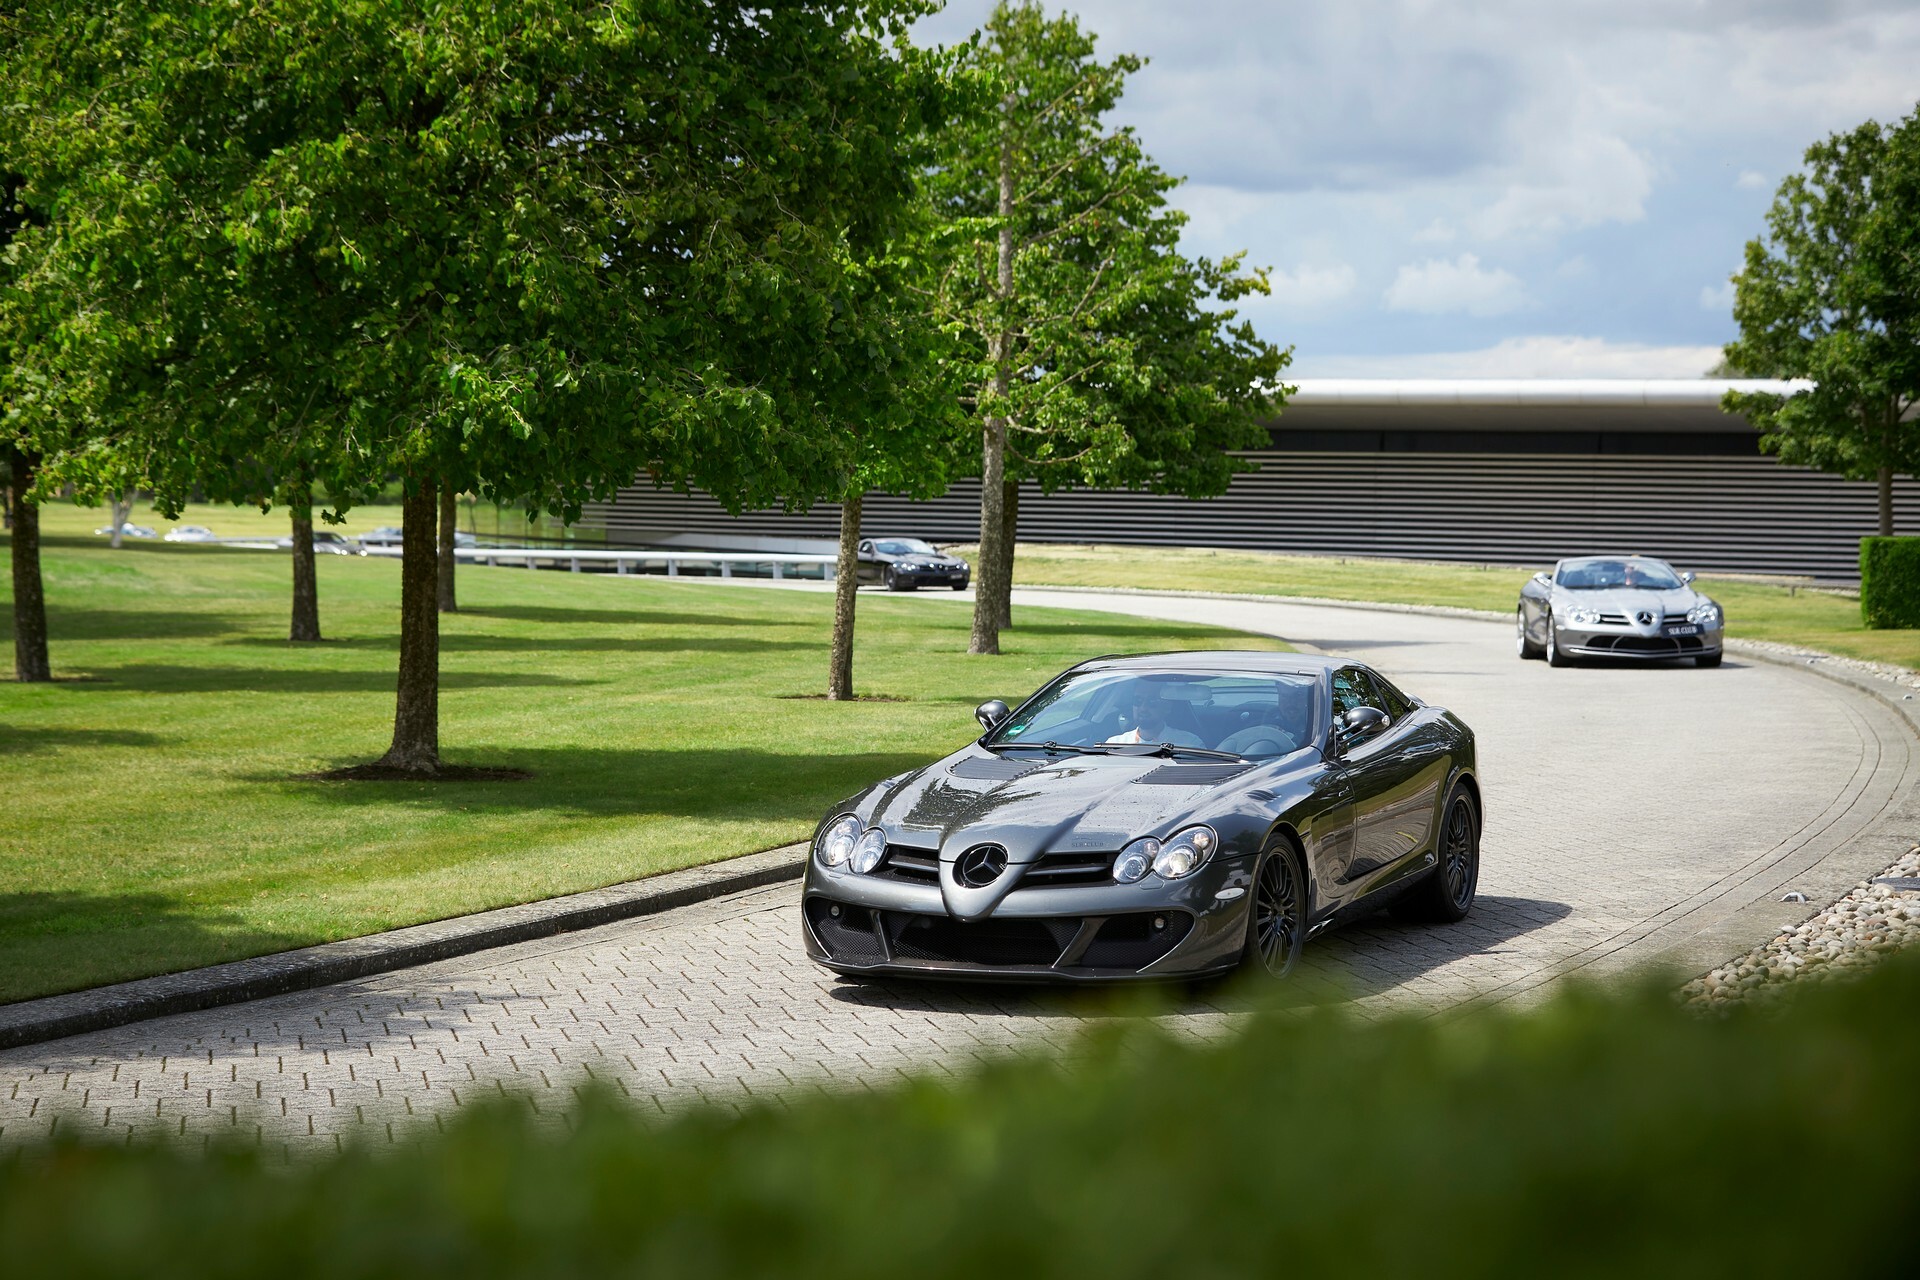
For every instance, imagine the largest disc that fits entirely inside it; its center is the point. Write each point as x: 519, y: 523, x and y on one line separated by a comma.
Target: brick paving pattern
x: 1631, y: 813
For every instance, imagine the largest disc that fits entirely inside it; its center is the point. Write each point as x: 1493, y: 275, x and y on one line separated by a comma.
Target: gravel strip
x: 1883, y: 670
x: 1845, y: 941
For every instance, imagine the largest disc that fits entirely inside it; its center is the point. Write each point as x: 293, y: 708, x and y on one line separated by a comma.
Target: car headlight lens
x: 835, y: 843
x: 1706, y: 614
x: 1185, y: 853
x: 1577, y: 616
x: 1136, y: 860
x: 868, y: 850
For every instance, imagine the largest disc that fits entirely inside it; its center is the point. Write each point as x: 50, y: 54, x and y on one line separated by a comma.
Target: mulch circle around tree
x: 387, y: 773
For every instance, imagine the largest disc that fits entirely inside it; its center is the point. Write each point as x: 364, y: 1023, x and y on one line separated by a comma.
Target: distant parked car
x: 1617, y: 607
x: 902, y: 564
x: 327, y: 543
x: 389, y: 536
x: 127, y: 531
x: 191, y: 533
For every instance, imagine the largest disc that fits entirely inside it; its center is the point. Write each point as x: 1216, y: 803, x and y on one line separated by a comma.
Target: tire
x: 891, y: 580
x: 1445, y: 894
x: 1277, y: 915
x: 1555, y: 658
x: 1707, y: 659
x: 1523, y: 646
x: 960, y: 586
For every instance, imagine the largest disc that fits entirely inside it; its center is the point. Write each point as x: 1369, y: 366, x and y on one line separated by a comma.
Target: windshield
x: 1256, y: 716
x: 1601, y: 575
x: 904, y: 547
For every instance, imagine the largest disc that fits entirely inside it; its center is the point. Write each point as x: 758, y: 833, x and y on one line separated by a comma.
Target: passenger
x: 1150, y: 722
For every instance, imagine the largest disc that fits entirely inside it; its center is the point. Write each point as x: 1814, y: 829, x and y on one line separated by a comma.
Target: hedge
x: 1890, y: 582
x: 1589, y: 1137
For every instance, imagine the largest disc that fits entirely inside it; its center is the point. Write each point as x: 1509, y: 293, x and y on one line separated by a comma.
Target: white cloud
x: 1717, y: 298
x: 1307, y: 288
x: 1540, y: 356
x: 1440, y: 287
x: 1435, y: 232
x: 1751, y: 180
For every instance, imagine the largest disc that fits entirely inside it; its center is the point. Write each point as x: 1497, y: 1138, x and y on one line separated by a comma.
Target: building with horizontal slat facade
x: 1508, y: 472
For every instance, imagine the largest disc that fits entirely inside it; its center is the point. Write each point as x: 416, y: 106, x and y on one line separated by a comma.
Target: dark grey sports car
x: 1167, y: 815
x: 902, y: 564
x: 1617, y: 607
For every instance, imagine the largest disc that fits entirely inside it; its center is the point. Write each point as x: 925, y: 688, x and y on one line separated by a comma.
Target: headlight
x: 834, y: 845
x: 868, y: 850
x: 1581, y: 617
x: 1185, y: 853
x: 1136, y: 860
x: 1706, y: 614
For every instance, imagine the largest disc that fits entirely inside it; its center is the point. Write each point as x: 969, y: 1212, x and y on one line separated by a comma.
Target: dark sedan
x: 902, y: 564
x: 1168, y: 815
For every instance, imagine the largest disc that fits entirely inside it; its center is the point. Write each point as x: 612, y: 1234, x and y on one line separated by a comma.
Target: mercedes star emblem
x: 980, y: 866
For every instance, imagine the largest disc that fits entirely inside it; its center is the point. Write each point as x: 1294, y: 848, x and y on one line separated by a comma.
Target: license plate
x: 1683, y: 631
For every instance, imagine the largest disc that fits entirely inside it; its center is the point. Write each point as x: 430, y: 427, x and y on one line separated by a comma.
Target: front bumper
x: 867, y: 924
x: 1625, y: 642
x: 933, y: 577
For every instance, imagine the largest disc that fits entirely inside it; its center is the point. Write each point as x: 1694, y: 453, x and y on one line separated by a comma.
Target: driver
x: 1150, y: 721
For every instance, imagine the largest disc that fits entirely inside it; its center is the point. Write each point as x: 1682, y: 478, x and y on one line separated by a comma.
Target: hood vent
x: 993, y: 768
x: 1192, y: 775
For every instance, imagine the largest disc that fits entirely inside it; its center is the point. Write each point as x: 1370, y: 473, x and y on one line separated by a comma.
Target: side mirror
x: 992, y: 714
x: 1687, y: 576
x: 1360, y: 724
x: 1544, y: 579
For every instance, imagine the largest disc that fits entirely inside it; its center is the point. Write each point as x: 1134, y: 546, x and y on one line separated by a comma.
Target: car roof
x: 1260, y: 660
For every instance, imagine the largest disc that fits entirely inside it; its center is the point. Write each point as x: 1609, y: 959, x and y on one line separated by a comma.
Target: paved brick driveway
x: 1637, y: 818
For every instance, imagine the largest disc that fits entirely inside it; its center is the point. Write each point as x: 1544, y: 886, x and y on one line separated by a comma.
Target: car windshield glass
x: 905, y: 547
x: 1602, y: 575
x: 1256, y: 716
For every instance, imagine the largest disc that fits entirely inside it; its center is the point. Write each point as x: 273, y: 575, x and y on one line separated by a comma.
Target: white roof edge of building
x: 1617, y: 392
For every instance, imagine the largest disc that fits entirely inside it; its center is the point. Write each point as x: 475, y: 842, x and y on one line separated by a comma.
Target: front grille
x: 846, y: 931
x: 1055, y: 870
x: 1132, y: 942
x: 992, y: 942
x: 915, y: 866
x: 1662, y: 645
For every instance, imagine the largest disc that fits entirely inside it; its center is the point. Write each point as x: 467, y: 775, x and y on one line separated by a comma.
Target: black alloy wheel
x: 1276, y: 923
x: 890, y: 579
x: 1445, y: 895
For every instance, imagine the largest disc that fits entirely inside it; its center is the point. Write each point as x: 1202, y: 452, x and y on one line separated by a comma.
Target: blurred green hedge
x: 1586, y: 1137
x: 1890, y: 582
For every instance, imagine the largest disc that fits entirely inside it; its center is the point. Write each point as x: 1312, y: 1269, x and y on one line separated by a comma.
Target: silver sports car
x: 1617, y: 607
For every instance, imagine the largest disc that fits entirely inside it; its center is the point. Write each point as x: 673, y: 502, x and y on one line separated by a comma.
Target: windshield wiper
x: 1174, y: 748
x: 1060, y: 747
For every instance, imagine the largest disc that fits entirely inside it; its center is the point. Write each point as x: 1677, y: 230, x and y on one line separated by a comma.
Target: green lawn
x: 1756, y: 611
x: 153, y: 819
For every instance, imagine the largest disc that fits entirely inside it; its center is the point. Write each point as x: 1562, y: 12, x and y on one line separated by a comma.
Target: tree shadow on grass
x: 16, y: 741
x: 68, y: 940
x: 639, y: 616
x: 132, y: 624
x: 454, y: 642
x: 165, y: 678
x: 713, y: 783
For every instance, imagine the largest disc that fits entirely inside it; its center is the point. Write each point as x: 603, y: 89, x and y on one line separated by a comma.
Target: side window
x: 866, y: 549
x: 1397, y: 704
x: 1351, y: 689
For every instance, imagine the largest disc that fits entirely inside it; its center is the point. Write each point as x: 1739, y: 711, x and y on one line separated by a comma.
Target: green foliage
x: 1811, y: 303
x: 526, y: 249
x: 1584, y: 1138
x: 1116, y: 359
x: 1890, y: 582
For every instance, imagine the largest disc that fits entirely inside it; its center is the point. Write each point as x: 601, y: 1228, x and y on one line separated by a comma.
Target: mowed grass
x: 1756, y: 611
x: 155, y: 819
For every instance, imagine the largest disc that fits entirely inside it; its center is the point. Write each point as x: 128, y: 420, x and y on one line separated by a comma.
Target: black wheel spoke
x: 1276, y: 919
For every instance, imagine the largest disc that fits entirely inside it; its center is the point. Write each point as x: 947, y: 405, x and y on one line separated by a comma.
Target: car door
x: 1392, y: 807
x: 865, y: 567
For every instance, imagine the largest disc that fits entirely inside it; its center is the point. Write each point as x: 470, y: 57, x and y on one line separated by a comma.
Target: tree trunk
x: 30, y: 660
x: 1009, y: 537
x: 306, y: 585
x: 449, y: 521
x: 119, y: 509
x: 993, y: 449
x: 846, y: 581
x: 416, y: 711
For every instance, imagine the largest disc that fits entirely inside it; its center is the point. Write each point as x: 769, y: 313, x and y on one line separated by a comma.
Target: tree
x: 1811, y: 305
x: 32, y: 661
x: 523, y: 251
x: 1096, y: 354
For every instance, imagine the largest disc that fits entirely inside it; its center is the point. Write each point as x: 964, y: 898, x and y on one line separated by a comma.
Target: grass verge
x: 1587, y: 1137
x: 1756, y: 611
x: 156, y: 813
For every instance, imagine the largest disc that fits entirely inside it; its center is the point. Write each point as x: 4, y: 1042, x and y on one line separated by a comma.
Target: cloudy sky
x: 1495, y: 188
